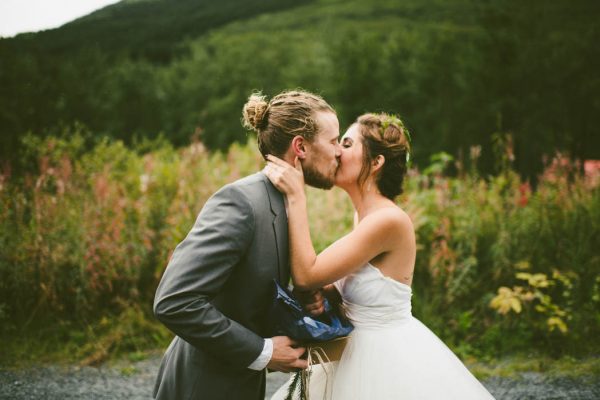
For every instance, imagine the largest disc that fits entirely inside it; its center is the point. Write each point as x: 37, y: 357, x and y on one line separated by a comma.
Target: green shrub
x: 86, y: 234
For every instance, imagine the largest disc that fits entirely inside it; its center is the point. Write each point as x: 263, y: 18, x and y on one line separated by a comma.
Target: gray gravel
x: 134, y: 381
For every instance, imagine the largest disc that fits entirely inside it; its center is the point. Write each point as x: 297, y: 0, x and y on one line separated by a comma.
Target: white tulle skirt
x: 402, y: 362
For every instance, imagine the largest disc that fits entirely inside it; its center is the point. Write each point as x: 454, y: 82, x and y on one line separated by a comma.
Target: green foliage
x: 505, y: 267
x: 455, y: 71
x: 86, y: 234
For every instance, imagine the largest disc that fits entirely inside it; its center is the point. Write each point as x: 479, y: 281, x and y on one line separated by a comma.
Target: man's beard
x: 316, y: 179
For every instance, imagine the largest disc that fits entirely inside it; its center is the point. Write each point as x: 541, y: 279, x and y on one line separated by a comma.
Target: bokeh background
x: 117, y: 127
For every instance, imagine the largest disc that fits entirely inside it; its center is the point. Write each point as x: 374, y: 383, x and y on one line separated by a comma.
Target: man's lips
x: 337, y: 168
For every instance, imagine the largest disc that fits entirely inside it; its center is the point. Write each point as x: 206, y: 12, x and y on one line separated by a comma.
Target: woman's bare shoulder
x: 392, y: 215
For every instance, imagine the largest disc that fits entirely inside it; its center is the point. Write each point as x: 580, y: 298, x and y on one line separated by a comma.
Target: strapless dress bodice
x: 372, y: 300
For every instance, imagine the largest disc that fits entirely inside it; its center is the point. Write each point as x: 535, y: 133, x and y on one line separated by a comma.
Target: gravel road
x: 134, y: 381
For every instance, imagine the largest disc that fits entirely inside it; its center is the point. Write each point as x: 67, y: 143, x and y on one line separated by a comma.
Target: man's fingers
x: 281, y: 342
x: 299, y: 363
x: 299, y: 351
x: 286, y: 340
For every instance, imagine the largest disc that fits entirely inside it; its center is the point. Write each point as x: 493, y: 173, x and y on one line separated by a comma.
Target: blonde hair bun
x: 255, y: 111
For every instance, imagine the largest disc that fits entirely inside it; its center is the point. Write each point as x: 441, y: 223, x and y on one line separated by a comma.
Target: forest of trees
x: 461, y: 73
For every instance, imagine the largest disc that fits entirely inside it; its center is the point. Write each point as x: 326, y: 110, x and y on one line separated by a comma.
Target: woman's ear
x: 378, y: 163
x: 299, y: 147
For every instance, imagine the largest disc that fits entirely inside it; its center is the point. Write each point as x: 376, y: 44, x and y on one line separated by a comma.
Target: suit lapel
x: 280, y: 230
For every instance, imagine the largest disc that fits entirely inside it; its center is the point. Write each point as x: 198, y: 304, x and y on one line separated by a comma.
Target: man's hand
x: 286, y: 357
x: 312, y: 301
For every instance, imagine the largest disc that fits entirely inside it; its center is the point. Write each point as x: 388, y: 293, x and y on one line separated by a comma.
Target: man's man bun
x: 255, y: 112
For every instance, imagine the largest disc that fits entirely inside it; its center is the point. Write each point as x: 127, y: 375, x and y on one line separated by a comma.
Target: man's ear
x: 378, y: 163
x: 299, y: 147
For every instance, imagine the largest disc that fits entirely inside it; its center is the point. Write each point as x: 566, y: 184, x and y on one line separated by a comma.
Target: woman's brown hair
x: 385, y: 135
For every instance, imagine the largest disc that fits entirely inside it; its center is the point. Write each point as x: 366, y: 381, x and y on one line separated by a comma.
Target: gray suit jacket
x: 216, y: 290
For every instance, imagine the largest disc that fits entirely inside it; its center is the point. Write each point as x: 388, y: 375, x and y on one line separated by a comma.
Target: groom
x: 216, y: 290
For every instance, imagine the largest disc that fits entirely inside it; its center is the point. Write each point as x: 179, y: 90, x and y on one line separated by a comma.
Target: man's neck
x: 289, y: 157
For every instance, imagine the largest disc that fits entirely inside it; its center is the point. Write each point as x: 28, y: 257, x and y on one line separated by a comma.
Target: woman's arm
x: 373, y: 236
x: 369, y: 239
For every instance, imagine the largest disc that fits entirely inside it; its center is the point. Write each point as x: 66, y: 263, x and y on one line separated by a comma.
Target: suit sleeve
x: 197, y: 271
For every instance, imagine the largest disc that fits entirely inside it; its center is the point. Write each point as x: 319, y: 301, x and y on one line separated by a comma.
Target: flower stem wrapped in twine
x: 301, y: 381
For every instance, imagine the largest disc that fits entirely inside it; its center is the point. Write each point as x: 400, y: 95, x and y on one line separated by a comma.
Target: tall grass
x: 86, y: 234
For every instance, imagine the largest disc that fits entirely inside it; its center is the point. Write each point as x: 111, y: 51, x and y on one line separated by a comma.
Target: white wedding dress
x: 390, y: 354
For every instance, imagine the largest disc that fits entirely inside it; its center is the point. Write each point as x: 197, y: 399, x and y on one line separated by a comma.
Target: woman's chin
x: 339, y: 183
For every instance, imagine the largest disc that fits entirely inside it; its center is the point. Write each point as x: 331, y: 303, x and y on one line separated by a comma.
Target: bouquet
x: 288, y: 318
x: 326, y: 334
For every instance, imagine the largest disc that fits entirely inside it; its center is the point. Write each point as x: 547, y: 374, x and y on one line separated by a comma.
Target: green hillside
x: 149, y: 29
x: 462, y: 72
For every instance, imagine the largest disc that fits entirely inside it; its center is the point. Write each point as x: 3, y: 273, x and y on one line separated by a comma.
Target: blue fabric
x: 289, y: 319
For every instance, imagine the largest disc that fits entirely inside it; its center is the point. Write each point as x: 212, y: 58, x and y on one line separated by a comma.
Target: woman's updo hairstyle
x: 288, y: 114
x: 385, y: 135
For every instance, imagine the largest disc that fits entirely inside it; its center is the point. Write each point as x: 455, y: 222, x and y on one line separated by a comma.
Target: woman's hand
x: 287, y: 179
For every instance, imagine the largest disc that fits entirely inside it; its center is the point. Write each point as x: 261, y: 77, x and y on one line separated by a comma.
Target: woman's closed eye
x: 346, y: 143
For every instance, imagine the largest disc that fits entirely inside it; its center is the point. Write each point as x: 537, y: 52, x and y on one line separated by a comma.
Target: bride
x: 390, y: 354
